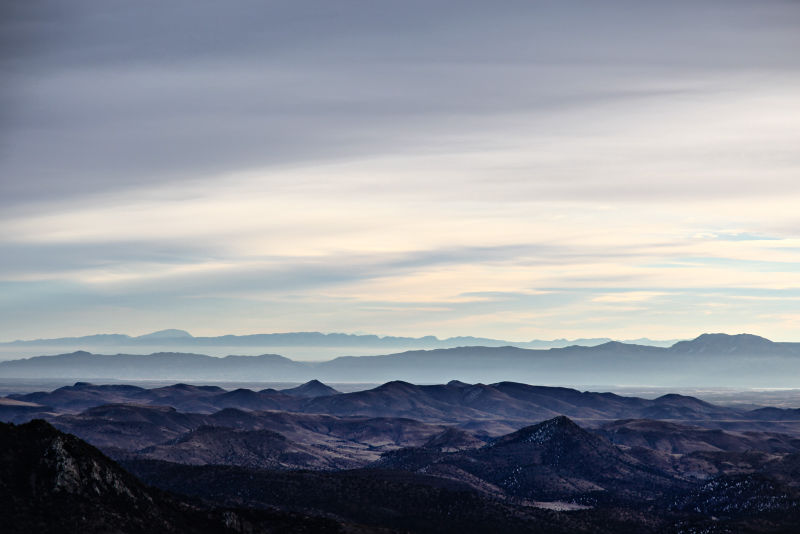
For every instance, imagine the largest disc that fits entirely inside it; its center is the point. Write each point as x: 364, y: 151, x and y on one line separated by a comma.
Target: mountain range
x: 488, y: 409
x: 299, y: 345
x: 709, y: 360
x: 553, y: 476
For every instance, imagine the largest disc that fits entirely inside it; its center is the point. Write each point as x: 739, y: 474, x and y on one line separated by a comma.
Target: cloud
x: 414, y: 167
x: 735, y: 236
x: 627, y: 297
x: 122, y: 97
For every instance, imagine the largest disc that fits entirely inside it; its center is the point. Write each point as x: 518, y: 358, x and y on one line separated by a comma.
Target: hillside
x: 52, y: 482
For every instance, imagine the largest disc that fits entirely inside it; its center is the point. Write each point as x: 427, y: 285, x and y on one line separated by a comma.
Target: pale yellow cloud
x: 628, y: 297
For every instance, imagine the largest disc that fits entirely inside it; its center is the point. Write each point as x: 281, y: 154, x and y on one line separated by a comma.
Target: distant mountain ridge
x: 450, y: 403
x: 182, y: 337
x: 742, y: 360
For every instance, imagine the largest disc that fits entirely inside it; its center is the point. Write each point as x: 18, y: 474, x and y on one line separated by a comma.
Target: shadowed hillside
x: 52, y: 482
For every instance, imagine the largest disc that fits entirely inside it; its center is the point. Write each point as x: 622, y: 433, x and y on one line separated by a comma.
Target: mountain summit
x: 311, y: 389
x: 170, y: 333
x: 725, y: 343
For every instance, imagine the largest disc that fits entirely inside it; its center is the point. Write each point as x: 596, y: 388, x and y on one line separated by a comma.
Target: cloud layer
x: 513, y: 169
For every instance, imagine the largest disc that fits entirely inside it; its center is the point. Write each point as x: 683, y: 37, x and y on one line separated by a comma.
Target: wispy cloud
x: 629, y: 296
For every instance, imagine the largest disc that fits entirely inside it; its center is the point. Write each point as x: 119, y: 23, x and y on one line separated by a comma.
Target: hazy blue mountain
x: 298, y: 345
x: 170, y: 333
x: 734, y: 344
x: 165, y: 365
x: 711, y: 359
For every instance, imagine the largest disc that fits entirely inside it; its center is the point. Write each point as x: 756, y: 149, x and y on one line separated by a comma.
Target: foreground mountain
x: 711, y: 359
x: 401, y: 501
x: 551, y: 477
x: 739, y: 499
x: 554, y: 460
x: 54, y: 482
x: 275, y: 440
x: 263, y: 449
x: 237, y: 476
x: 329, y: 442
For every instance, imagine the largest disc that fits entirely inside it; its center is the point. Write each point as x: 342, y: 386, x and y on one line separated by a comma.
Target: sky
x: 508, y: 169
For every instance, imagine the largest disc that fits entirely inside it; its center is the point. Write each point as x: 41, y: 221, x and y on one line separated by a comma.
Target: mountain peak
x: 541, y: 433
x: 724, y: 343
x: 169, y: 333
x: 731, y: 337
x: 396, y: 385
x: 312, y: 388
